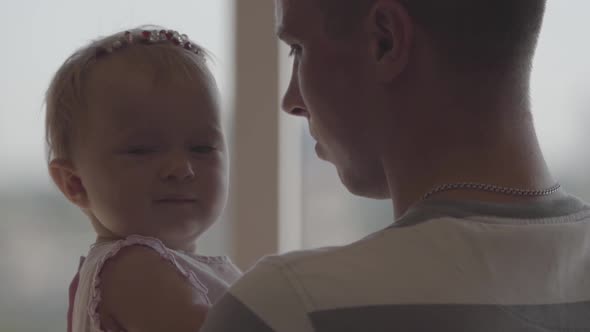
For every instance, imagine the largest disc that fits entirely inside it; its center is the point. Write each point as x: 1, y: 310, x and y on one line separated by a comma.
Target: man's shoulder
x: 383, y: 247
x: 268, y: 297
x: 305, y: 282
x: 305, y: 271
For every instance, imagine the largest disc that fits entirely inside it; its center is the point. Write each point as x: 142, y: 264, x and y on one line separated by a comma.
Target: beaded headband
x: 153, y: 37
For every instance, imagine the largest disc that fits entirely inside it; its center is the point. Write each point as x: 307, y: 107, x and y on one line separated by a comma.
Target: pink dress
x: 211, y: 276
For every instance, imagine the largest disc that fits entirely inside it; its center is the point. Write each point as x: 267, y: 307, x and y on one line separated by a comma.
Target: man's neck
x: 490, y: 146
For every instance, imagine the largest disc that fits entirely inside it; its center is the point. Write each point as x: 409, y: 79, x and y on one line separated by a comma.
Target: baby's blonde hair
x: 65, y: 97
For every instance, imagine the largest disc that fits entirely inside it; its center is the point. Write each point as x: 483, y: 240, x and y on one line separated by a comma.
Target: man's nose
x: 292, y: 101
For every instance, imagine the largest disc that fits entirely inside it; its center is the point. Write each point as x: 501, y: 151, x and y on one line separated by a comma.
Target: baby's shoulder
x: 138, y: 276
x: 104, y: 250
x: 136, y: 256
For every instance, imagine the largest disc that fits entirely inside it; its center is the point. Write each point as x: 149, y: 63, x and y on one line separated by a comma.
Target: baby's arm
x: 143, y: 292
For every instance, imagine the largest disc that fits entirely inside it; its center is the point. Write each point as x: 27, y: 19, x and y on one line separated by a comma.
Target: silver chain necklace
x: 493, y: 189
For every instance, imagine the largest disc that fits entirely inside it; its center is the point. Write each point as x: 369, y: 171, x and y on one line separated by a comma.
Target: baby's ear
x: 66, y: 178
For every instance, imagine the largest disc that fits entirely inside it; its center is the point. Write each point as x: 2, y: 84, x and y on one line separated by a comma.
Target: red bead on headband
x: 155, y: 36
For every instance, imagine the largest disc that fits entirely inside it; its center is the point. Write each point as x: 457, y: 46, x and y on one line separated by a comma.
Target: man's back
x: 445, y: 266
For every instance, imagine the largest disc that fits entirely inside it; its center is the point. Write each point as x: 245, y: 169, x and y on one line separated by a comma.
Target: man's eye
x: 202, y: 149
x: 295, y: 50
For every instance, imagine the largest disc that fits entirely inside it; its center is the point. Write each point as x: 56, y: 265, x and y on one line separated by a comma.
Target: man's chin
x: 358, y: 187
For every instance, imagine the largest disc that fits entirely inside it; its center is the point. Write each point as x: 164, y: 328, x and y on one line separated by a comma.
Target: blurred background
x: 283, y: 197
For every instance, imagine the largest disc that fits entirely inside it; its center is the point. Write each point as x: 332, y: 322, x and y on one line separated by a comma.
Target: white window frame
x: 265, y: 184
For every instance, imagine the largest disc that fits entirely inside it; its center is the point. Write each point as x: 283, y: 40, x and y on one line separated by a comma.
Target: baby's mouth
x: 175, y: 199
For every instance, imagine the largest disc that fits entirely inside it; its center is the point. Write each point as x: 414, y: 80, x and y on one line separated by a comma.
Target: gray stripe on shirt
x: 548, y: 208
x: 230, y: 314
x: 452, y: 318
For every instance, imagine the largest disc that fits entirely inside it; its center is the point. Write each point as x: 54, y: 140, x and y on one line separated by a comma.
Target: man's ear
x: 66, y: 178
x: 391, y: 31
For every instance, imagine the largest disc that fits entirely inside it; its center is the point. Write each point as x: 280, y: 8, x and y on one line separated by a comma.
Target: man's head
x: 366, y: 73
x: 467, y: 33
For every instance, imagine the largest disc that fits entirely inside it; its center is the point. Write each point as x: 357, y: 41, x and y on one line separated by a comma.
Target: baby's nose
x: 178, y: 168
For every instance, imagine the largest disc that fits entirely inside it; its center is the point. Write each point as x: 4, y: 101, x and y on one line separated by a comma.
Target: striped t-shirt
x: 444, y: 266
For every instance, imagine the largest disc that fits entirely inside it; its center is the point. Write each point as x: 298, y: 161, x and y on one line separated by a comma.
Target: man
x: 426, y: 103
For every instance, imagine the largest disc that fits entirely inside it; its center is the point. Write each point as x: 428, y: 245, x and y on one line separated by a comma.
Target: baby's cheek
x: 219, y: 180
x: 124, y: 215
x: 214, y: 188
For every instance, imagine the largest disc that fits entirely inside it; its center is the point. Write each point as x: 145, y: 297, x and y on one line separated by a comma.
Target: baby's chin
x: 178, y: 234
x: 175, y: 233
x: 175, y: 230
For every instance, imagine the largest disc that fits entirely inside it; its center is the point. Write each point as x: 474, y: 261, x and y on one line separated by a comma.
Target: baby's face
x: 153, y: 158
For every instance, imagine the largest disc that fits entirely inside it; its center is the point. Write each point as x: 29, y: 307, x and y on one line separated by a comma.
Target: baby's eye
x: 140, y: 150
x: 202, y: 149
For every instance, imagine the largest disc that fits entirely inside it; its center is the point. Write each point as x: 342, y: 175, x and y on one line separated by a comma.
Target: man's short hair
x: 468, y: 33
